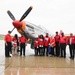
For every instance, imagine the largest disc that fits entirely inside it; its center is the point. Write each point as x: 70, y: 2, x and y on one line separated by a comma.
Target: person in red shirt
x: 36, y: 48
x: 46, y: 43
x: 23, y: 42
x: 71, y: 42
x: 41, y: 45
x: 62, y: 42
x: 57, y: 47
x: 8, y: 44
x: 15, y: 44
x: 52, y: 45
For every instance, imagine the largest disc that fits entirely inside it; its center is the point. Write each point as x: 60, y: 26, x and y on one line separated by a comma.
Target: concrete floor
x: 35, y: 65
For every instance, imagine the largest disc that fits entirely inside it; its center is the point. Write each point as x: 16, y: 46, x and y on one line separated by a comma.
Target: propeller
x: 23, y: 17
x: 26, y: 13
x: 11, y: 15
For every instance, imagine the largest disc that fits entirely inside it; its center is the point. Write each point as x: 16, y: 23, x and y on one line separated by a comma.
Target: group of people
x: 43, y: 45
x: 12, y: 44
x: 55, y: 45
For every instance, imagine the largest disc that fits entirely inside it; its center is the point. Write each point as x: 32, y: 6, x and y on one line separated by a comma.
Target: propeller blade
x: 26, y: 13
x: 11, y: 15
x: 12, y: 29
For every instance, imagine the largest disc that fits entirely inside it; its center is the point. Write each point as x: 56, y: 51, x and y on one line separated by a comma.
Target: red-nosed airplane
x: 29, y: 30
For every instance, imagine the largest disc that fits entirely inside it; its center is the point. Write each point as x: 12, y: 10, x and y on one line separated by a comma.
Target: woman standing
x: 15, y: 44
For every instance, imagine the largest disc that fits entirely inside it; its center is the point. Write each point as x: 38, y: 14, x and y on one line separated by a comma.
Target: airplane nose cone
x: 17, y: 24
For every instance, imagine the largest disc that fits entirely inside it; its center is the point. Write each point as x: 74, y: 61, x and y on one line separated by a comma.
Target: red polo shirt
x: 23, y: 39
x: 8, y: 38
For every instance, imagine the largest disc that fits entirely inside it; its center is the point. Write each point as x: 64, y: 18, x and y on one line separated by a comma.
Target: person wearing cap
x: 8, y: 44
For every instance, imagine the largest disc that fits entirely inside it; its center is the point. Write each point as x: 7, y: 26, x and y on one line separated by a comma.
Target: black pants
x: 22, y: 48
x: 8, y: 49
x: 57, y: 49
x: 41, y: 51
x: 71, y: 47
x: 46, y: 50
x: 52, y: 51
x: 36, y: 50
x: 63, y: 50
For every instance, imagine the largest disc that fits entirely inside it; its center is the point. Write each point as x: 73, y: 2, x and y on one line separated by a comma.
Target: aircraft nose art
x: 17, y: 24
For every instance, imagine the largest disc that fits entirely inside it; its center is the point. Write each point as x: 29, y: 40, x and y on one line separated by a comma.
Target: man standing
x: 57, y: 38
x: 71, y: 42
x: 63, y: 45
x: 23, y: 42
x: 8, y: 44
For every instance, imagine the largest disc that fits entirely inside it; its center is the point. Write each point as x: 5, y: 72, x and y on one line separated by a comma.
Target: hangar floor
x: 35, y: 65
